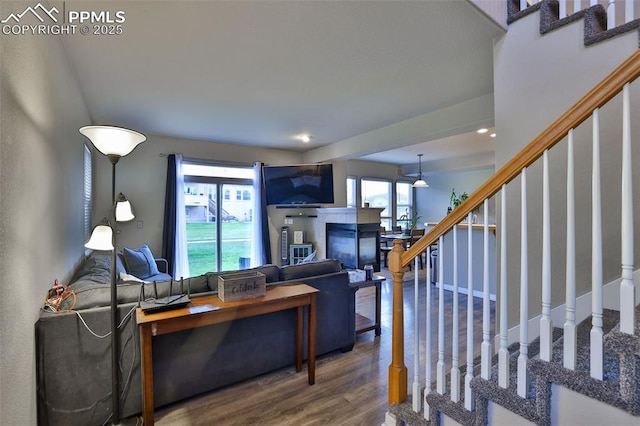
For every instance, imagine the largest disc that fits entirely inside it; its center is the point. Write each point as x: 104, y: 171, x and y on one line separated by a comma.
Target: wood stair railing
x: 399, y: 259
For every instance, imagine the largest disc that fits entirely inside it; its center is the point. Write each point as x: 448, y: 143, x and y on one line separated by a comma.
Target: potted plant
x: 456, y: 199
x: 410, y: 221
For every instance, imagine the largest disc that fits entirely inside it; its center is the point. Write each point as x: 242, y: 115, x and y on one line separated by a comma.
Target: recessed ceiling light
x: 482, y: 130
x: 305, y: 138
x: 493, y: 135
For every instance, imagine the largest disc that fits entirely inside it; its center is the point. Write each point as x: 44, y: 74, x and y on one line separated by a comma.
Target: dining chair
x: 384, y: 247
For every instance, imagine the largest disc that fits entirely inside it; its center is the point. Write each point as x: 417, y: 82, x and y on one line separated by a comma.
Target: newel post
x: 397, y: 369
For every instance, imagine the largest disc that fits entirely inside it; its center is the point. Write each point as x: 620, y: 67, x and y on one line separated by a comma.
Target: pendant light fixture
x: 420, y: 183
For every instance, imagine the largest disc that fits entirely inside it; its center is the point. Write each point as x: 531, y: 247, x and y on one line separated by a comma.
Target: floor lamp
x: 114, y: 142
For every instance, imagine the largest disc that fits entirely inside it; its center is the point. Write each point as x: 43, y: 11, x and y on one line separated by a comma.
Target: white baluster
x: 562, y: 11
x: 503, y: 352
x: 523, y: 4
x: 570, y: 337
x: 627, y: 287
x: 486, y: 350
x: 468, y: 392
x: 593, y: 2
x: 596, y: 334
x: 427, y: 367
x: 455, y: 347
x: 628, y: 11
x: 440, y: 366
x: 546, y: 325
x: 523, y: 375
x: 611, y: 14
x: 416, y: 401
x: 577, y: 6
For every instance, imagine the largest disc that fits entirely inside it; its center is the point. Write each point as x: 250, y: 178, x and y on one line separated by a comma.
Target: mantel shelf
x: 302, y: 216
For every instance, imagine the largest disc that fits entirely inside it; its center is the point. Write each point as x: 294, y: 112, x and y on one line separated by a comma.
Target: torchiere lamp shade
x: 113, y: 141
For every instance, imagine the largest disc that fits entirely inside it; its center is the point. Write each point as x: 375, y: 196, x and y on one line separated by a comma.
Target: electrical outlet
x: 140, y: 224
x: 288, y: 221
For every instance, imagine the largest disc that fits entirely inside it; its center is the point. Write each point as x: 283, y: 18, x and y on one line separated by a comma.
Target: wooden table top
x: 204, y: 304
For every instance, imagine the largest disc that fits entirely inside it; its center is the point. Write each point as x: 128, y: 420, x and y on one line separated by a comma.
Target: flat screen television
x: 299, y: 184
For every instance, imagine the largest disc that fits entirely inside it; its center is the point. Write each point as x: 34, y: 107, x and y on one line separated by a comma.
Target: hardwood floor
x: 350, y: 389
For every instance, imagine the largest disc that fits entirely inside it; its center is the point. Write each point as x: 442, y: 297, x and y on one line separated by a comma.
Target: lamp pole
x: 115, y: 360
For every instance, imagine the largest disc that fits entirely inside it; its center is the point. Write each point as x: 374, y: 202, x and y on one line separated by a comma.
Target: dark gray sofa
x: 74, y: 366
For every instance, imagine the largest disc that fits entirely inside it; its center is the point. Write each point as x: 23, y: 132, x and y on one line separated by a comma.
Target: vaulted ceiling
x: 378, y: 80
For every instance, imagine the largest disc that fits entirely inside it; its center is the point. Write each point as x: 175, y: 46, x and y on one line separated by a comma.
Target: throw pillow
x: 140, y: 262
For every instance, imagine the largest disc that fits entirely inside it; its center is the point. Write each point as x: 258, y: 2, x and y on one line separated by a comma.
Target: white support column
x: 440, y: 366
x: 503, y: 352
x: 597, y: 345
x: 468, y: 392
x: 415, y: 398
x: 455, y: 332
x: 570, y: 337
x: 611, y: 14
x: 546, y: 325
x: 428, y: 361
x: 486, y: 349
x: 628, y: 11
x: 627, y: 286
x: 523, y: 358
x: 562, y: 12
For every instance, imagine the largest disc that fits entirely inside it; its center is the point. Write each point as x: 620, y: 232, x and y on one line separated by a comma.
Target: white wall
x: 536, y: 79
x: 432, y: 202
x: 41, y: 210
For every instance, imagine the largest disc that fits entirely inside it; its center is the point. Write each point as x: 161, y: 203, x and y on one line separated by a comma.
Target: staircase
x: 572, y: 361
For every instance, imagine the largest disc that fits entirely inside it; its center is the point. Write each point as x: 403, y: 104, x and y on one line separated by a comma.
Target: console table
x: 209, y: 310
x: 364, y: 324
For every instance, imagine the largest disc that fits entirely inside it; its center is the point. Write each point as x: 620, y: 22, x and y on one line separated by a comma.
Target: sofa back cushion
x: 96, y: 268
x: 302, y: 270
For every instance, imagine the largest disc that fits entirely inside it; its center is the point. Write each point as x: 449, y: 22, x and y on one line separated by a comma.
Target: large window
x: 404, y: 201
x: 218, y: 233
x: 377, y: 193
x: 351, y: 192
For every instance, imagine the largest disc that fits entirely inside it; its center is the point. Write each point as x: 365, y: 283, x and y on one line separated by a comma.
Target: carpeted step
x: 489, y: 390
x: 537, y: 406
x: 580, y: 381
x: 594, y: 17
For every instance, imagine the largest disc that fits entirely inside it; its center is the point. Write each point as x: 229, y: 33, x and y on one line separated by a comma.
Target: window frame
x: 390, y: 199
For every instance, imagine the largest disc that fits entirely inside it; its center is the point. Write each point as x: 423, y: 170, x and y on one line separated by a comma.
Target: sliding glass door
x: 237, y: 216
x: 219, y: 215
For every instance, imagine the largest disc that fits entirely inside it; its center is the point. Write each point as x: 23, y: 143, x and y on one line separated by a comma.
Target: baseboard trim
x: 463, y: 290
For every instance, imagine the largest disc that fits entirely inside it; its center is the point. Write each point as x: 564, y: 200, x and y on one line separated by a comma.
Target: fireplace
x: 354, y: 245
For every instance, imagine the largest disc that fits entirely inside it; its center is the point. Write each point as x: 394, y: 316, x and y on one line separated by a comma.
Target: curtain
x: 174, y: 235
x: 260, y: 247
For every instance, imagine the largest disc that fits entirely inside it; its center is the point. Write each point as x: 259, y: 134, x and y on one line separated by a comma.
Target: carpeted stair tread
x: 580, y: 380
